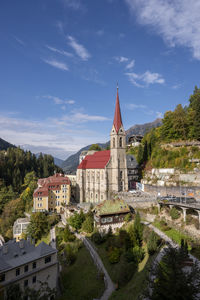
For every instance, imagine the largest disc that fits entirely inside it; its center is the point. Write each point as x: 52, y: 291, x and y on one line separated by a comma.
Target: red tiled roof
x: 117, y: 118
x: 56, y: 180
x: 98, y: 160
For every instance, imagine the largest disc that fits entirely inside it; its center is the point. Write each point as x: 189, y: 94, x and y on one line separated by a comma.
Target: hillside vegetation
x: 182, y: 124
x: 19, y: 171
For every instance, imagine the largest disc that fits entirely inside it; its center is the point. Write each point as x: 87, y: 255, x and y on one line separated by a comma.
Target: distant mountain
x: 5, y: 145
x: 143, y: 128
x: 57, y: 161
x: 71, y: 163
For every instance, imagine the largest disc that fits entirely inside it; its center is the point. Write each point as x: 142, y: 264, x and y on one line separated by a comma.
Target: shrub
x: 174, y: 213
x: 129, y: 257
x: 126, y: 273
x: 189, y: 220
x: 70, y: 253
x: 114, y: 255
x: 97, y: 238
x: 53, y: 220
x: 152, y: 243
x: 138, y: 253
x: 68, y: 236
x: 128, y: 218
x: 164, y: 226
x: 88, y: 225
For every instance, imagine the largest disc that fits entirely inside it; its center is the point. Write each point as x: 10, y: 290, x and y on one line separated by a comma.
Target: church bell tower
x: 118, y: 152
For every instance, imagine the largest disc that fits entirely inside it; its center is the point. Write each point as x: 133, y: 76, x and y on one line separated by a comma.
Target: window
x: 47, y: 259
x: 120, y: 142
x: 34, y: 265
x: 101, y: 197
x: 26, y: 268
x: 18, y: 272
x: 109, y: 220
x: 34, y: 279
x: 113, y: 142
x: 26, y: 283
x: 2, y: 277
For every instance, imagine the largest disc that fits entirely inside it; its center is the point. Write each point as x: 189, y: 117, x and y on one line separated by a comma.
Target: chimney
x: 21, y: 244
x: 5, y: 249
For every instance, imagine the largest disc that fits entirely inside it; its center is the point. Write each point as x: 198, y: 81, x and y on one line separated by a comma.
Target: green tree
x: 88, y: 225
x: 76, y: 220
x: 152, y: 243
x: 138, y: 229
x: 172, y: 281
x: 38, y: 225
x: 95, y: 147
x: 68, y: 236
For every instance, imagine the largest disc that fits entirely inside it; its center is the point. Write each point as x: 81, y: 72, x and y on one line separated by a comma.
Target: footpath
x: 109, y: 285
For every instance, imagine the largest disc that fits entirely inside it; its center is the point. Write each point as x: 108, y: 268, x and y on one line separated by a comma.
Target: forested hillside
x: 19, y: 171
x: 181, y: 125
x: 5, y: 145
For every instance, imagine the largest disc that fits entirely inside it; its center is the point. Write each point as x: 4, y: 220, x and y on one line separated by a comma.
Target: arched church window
x: 113, y: 142
x: 120, y: 142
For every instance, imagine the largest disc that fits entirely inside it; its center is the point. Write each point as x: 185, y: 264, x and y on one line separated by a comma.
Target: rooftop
x: 98, y: 160
x: 108, y: 207
x: 14, y: 254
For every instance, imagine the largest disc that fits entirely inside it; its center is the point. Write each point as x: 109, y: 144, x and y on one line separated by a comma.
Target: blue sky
x: 60, y: 62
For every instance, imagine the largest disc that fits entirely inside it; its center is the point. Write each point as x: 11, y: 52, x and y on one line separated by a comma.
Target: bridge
x: 184, y: 206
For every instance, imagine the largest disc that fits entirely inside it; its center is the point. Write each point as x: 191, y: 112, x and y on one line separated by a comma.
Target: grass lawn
x: 81, y: 280
x: 132, y: 290
x: 45, y: 238
x: 174, y: 234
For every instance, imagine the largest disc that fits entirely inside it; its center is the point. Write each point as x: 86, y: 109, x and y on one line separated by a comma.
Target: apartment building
x: 52, y: 193
x: 27, y: 265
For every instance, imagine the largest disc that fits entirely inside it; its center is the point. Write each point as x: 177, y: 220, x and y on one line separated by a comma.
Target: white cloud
x: 67, y: 133
x: 176, y: 86
x: 145, y: 79
x: 131, y: 64
x: 62, y: 52
x: 80, y: 50
x: 75, y: 4
x: 56, y: 64
x: 100, y: 32
x: 121, y: 59
x: 178, y: 22
x: 58, y: 100
x: 19, y: 41
x: 133, y: 106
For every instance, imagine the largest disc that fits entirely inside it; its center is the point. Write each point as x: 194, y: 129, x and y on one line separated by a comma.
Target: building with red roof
x: 51, y: 193
x: 103, y: 172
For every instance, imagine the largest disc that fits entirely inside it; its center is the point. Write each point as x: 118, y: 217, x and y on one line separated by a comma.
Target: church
x: 104, y: 172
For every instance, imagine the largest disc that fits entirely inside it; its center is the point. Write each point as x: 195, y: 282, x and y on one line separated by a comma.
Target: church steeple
x: 117, y: 118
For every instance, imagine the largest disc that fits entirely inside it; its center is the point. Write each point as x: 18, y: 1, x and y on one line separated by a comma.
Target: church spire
x: 117, y: 118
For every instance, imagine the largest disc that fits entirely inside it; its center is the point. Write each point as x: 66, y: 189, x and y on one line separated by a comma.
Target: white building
x: 24, y: 264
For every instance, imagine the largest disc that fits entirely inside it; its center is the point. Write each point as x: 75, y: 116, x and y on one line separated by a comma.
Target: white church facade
x: 104, y: 172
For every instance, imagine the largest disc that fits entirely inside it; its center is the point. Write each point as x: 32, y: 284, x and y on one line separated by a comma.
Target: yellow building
x: 52, y: 193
